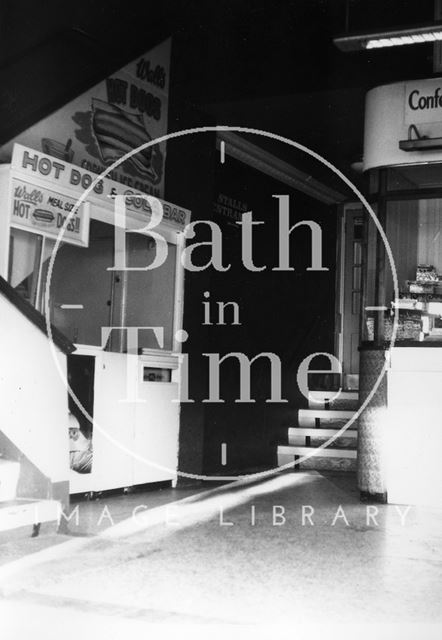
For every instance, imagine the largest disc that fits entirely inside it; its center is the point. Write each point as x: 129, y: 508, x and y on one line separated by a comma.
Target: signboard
x: 37, y: 168
x: 43, y: 211
x: 389, y: 112
x: 120, y: 114
x: 229, y: 209
x: 423, y: 101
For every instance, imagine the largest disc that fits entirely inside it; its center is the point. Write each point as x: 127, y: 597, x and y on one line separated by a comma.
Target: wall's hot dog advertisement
x: 39, y: 210
x: 44, y: 190
x: 123, y: 112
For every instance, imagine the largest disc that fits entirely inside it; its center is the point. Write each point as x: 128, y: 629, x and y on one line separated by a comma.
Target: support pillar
x: 371, y: 429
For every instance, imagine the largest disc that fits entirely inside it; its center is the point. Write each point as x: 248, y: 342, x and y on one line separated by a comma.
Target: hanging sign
x: 40, y: 210
x: 423, y: 101
x: 390, y: 110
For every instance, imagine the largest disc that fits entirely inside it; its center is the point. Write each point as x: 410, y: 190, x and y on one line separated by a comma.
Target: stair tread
x: 24, y: 512
x: 326, y: 452
x: 327, y: 413
x: 15, y: 502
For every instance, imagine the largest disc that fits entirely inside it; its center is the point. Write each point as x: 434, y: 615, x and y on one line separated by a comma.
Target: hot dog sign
x: 40, y: 210
x: 121, y: 113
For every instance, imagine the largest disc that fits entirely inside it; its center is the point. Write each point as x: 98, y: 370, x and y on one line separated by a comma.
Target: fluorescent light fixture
x: 393, y: 38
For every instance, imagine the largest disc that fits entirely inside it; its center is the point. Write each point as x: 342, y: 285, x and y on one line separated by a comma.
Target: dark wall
x: 288, y: 313
x: 190, y: 168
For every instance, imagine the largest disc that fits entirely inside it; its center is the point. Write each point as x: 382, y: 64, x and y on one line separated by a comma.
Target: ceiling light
x: 392, y: 38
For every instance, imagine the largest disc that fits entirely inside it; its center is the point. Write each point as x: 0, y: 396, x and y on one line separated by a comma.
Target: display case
x: 402, y: 281
x: 413, y: 227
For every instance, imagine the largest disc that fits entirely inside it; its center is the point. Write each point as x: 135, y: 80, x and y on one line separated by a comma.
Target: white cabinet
x: 133, y: 442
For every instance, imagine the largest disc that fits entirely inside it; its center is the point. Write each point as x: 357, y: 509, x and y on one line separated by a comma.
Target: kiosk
x: 400, y: 435
x: 122, y: 317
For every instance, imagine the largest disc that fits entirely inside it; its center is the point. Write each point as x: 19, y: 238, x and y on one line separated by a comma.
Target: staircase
x: 321, y: 421
x: 22, y: 513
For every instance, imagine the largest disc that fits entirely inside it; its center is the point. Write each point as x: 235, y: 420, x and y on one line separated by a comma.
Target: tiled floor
x: 295, y: 549
x: 88, y: 518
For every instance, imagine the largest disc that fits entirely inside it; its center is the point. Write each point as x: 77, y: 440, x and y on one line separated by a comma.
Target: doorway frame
x: 342, y: 231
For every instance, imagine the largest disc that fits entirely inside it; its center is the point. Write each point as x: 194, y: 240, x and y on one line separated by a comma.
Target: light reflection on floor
x: 340, y: 566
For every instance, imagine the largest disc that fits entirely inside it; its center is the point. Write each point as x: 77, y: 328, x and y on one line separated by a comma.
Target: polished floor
x: 297, y: 548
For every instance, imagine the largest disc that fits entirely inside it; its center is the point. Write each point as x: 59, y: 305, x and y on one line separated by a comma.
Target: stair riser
x: 332, y: 399
x: 321, y: 432
x: 328, y: 464
x: 337, y: 405
x: 324, y: 418
x: 329, y: 452
x: 311, y: 422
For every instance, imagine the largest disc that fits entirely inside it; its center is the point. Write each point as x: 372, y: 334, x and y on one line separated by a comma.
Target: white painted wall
x: 413, y: 427
x: 33, y: 396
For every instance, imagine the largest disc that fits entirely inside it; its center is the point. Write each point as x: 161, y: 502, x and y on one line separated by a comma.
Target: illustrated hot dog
x: 118, y: 132
x: 112, y: 151
x: 41, y: 215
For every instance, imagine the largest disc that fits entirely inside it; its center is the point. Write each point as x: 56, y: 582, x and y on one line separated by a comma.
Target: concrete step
x: 321, y: 417
x: 311, y: 432
x: 347, y: 400
x: 328, y: 459
x: 9, y: 474
x: 328, y: 452
x: 23, y: 512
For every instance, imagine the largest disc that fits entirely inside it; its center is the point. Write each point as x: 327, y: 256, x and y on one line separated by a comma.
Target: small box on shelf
x: 420, y: 287
x: 409, y: 327
x: 426, y: 273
